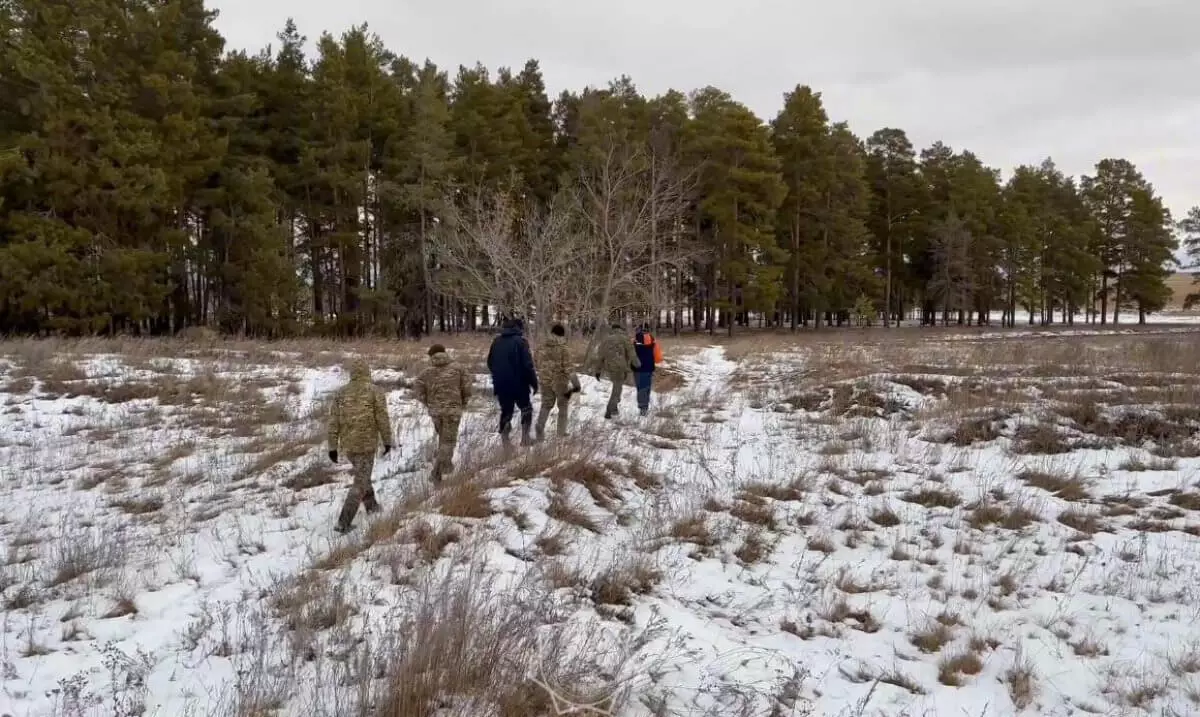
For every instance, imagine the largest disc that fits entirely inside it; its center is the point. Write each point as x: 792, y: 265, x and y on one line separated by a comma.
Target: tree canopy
x: 151, y: 181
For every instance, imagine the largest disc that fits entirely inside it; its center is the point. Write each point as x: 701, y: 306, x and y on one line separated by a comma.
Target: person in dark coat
x: 649, y: 354
x: 514, y: 379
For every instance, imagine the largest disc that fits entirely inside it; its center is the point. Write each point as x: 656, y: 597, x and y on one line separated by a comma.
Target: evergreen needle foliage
x: 150, y: 181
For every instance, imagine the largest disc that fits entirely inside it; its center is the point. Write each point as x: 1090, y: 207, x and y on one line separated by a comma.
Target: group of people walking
x: 358, y: 418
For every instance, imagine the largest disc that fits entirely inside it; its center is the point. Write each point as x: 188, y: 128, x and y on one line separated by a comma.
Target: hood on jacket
x: 359, y: 370
x: 440, y: 359
x: 511, y: 331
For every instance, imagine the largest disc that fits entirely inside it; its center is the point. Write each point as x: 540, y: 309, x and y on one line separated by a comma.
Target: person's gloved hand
x: 386, y: 449
x: 333, y: 456
x: 597, y: 376
x: 535, y: 389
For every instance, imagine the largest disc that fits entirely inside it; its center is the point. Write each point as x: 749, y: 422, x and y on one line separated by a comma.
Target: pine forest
x: 152, y: 181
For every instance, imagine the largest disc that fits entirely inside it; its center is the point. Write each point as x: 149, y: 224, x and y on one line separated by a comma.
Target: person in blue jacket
x: 649, y: 353
x: 514, y: 379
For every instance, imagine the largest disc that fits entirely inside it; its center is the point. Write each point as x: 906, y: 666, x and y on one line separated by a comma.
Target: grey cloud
x: 1013, y: 81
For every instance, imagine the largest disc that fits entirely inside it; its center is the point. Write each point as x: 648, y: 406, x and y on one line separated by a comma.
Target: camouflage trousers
x: 361, y: 491
x: 614, y: 398
x: 550, y: 399
x: 446, y: 428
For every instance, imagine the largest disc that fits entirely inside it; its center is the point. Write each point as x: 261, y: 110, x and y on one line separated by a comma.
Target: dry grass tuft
x: 619, y: 584
x: 573, y: 511
x: 885, y: 517
x: 841, y: 612
x: 467, y: 643
x: 551, y: 543
x: 695, y: 530
x: 978, y: 429
x: 1041, y: 438
x: 1187, y: 501
x: 592, y: 476
x: 431, y: 542
x: 987, y: 512
x: 1021, y: 682
x: 754, y: 548
x: 1082, y: 520
x: 82, y: 552
x: 933, y: 637
x: 754, y: 511
x: 312, y: 602
x: 822, y: 544
x: 933, y: 497
x: 951, y: 669
x: 1137, y: 464
x: 144, y: 505
x: 466, y: 499
x: 1072, y: 487
x: 314, y: 475
x: 794, y: 490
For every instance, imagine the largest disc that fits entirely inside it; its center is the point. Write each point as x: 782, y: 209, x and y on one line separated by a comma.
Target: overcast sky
x: 1012, y: 80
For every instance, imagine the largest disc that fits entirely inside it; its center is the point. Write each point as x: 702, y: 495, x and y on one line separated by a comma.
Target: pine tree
x: 539, y: 159
x: 897, y: 199
x: 742, y: 190
x: 1120, y: 201
x: 423, y: 175
x: 1151, y: 253
x: 800, y: 133
x: 1190, y: 227
x: 849, y: 256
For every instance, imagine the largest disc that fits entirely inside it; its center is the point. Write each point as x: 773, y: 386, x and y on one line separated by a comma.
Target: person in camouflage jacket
x: 615, y: 359
x: 358, y: 423
x: 444, y: 389
x: 558, y: 380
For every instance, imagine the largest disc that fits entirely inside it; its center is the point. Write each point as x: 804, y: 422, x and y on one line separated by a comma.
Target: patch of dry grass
x: 933, y: 497
x: 1020, y: 680
x: 594, y: 477
x: 932, y: 637
x: 81, y: 552
x: 466, y: 499
x: 696, y: 530
x: 1067, y: 486
x: 755, y: 548
x: 953, y: 668
x: 1010, y: 517
x: 568, y: 509
x: 1041, y: 438
x: 502, y: 649
x: 753, y: 510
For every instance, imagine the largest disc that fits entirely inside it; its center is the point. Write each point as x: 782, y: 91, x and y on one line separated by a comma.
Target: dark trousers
x: 643, y: 380
x: 508, y: 405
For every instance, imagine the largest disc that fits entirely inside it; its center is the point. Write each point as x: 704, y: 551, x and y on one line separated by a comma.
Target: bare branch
x: 607, y: 242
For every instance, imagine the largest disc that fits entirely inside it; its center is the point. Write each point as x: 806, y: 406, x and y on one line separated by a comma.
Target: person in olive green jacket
x: 615, y: 359
x: 558, y: 380
x: 358, y: 423
x: 444, y: 389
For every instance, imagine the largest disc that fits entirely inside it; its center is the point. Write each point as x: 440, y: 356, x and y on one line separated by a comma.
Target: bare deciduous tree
x: 632, y: 203
x: 493, y: 249
x: 608, y: 242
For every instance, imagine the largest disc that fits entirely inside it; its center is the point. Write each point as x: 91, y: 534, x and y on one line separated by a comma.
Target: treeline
x: 150, y: 181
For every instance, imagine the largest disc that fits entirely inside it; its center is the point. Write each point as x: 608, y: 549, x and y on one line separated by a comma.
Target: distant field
x: 1181, y: 284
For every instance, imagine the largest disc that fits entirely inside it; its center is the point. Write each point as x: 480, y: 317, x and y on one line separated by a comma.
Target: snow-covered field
x: 843, y: 526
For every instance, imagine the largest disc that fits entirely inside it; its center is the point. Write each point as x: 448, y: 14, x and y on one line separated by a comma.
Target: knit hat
x: 437, y: 349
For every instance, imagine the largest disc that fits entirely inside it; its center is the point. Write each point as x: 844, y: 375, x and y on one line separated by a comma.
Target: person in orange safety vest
x: 649, y: 354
